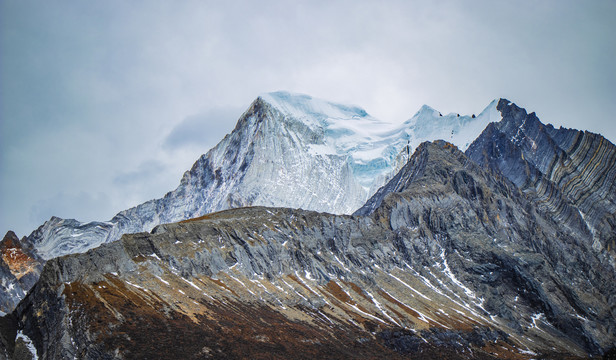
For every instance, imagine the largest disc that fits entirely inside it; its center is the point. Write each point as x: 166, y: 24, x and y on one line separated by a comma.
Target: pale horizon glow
x: 104, y: 105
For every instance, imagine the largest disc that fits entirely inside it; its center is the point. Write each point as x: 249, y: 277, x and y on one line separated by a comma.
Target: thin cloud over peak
x: 90, y: 91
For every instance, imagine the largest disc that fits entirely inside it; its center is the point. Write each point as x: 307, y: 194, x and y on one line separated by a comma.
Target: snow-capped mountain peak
x: 424, y: 111
x: 314, y: 111
x: 370, y: 146
x: 429, y: 124
x: 287, y: 150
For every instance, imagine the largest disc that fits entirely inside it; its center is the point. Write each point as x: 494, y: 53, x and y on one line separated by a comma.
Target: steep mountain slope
x: 452, y: 262
x: 278, y: 144
x: 572, y: 173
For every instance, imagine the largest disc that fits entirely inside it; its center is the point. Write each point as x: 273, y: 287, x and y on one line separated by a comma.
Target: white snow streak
x: 29, y: 343
x: 191, y: 284
x: 378, y: 305
x: 159, y: 278
x: 409, y: 286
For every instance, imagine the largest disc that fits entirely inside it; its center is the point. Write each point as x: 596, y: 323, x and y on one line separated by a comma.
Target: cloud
x: 116, y: 99
x: 150, y: 179
x: 202, y: 130
x: 141, y: 175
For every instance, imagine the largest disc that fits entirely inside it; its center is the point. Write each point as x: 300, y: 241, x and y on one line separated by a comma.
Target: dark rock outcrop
x: 571, y: 178
x: 571, y: 173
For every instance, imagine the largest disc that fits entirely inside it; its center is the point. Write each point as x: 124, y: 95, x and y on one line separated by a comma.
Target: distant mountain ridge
x: 288, y: 150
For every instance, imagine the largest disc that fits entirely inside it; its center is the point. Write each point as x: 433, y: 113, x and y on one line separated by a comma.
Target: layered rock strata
x: 570, y: 173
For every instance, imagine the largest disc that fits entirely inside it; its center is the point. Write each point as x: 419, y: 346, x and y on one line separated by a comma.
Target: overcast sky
x: 104, y: 104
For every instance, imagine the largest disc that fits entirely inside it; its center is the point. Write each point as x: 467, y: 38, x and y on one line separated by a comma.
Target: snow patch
x: 191, y: 283
x: 162, y: 280
x: 447, y: 271
x: 410, y: 287
x: 378, y: 305
x: 137, y: 286
x: 28, y: 342
x: 155, y: 256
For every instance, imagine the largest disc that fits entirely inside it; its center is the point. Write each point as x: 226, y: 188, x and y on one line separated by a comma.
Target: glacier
x: 286, y: 150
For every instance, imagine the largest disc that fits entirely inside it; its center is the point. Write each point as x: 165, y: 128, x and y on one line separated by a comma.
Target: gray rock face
x: 570, y: 174
x: 286, y: 150
x: 447, y: 261
x: 562, y: 276
x: 66, y: 236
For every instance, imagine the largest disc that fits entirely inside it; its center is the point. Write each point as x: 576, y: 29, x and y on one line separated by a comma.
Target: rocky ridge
x: 447, y: 261
x: 570, y: 173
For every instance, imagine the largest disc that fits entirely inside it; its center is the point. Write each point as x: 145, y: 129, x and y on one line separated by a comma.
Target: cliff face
x: 571, y: 177
x: 446, y: 261
x: 571, y: 173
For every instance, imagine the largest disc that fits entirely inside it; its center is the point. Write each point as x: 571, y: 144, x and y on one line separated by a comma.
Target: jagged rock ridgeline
x: 449, y: 262
x: 571, y: 173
